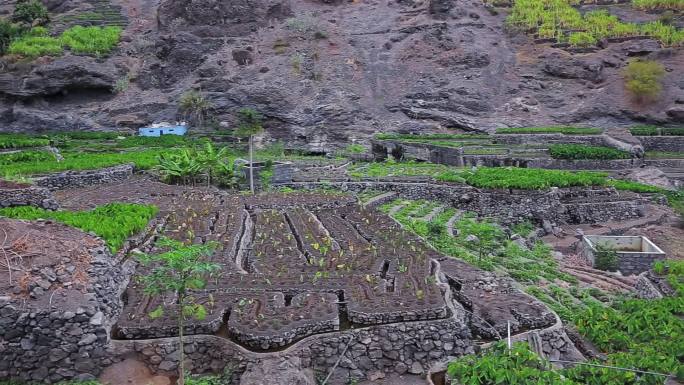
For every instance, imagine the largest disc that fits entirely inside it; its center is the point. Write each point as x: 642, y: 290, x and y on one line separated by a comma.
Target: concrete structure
x: 636, y: 254
x: 159, y: 130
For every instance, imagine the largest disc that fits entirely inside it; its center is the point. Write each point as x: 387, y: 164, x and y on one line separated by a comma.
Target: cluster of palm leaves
x: 192, y: 165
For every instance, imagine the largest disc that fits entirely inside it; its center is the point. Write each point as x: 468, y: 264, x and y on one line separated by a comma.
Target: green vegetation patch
x: 21, y: 141
x: 148, y: 141
x: 556, y: 18
x: 580, y: 151
x: 389, y: 169
x: 25, y: 156
x: 658, y: 4
x: 656, y: 131
x: 530, y: 178
x: 84, y: 161
x: 113, y: 222
x: 91, y: 40
x: 36, y: 42
x: 551, y: 130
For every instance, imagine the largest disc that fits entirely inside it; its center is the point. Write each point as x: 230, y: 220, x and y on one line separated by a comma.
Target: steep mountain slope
x: 327, y: 72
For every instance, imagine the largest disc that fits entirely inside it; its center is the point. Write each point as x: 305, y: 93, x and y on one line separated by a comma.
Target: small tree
x: 606, y: 258
x: 178, y: 271
x: 643, y: 78
x: 30, y: 12
x: 249, y: 125
x: 194, y: 105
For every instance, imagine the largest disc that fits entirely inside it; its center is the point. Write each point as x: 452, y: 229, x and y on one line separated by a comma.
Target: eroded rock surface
x: 325, y: 72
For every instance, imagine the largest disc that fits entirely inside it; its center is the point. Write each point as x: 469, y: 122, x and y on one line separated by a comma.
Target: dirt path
x: 131, y: 372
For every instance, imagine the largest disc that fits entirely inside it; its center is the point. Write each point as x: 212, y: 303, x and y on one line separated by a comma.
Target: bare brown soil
x: 6, y: 184
x: 131, y: 372
x: 44, y: 262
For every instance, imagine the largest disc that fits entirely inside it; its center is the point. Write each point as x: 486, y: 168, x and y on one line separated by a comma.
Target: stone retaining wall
x: 69, y: 339
x: 456, y: 157
x: 663, y: 143
x: 665, y: 163
x: 28, y: 196
x: 409, y: 347
x: 573, y: 205
x: 71, y: 179
x: 548, y: 139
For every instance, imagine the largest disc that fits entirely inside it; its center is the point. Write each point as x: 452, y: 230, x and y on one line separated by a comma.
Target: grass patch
x: 113, y: 222
x: 91, y: 40
x: 84, y: 161
x: 658, y: 4
x: 34, y: 46
x: 149, y: 141
x: 530, y: 178
x: 389, y: 169
x: 656, y: 131
x: 551, y: 130
x: 25, y: 156
x: 553, y: 18
x: 21, y: 141
x: 580, y: 151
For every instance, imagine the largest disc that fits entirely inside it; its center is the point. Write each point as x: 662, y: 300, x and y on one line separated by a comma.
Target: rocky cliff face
x: 324, y: 72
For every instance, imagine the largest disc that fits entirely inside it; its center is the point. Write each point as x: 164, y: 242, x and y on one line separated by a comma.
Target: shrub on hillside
x: 643, y: 79
x: 31, y: 12
x: 8, y: 32
x: 580, y: 151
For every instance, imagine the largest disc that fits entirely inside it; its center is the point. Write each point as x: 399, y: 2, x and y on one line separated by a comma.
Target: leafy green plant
x: 580, y: 151
x: 498, y: 365
x: 91, y: 40
x: 643, y: 79
x: 178, y: 271
x: 113, y: 222
x: 606, y: 258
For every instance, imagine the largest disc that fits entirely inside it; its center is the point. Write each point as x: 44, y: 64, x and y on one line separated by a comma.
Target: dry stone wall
x: 71, y: 179
x: 67, y: 339
x: 572, y: 205
x: 663, y: 143
x: 409, y: 347
x: 28, y: 196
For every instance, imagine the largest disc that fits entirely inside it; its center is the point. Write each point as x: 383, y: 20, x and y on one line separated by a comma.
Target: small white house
x: 160, y: 129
